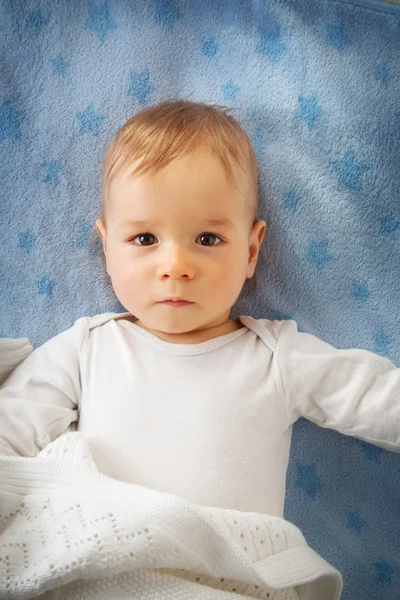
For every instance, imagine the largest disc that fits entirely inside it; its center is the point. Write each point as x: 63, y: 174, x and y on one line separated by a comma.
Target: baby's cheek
x: 229, y: 282
x: 126, y: 281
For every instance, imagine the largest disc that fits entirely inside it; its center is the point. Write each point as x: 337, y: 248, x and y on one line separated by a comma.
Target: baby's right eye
x: 143, y: 235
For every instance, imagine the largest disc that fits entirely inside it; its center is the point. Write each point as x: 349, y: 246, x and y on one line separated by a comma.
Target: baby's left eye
x: 209, y: 235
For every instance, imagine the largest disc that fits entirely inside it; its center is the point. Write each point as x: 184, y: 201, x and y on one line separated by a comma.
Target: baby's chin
x: 176, y: 322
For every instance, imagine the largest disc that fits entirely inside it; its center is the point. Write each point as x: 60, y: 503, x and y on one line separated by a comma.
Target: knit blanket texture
x: 69, y: 532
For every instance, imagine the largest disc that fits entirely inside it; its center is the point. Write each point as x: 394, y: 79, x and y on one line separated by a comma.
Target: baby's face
x: 160, y: 241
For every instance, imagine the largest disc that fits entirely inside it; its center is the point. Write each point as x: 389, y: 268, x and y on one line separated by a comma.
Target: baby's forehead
x: 149, y: 193
x: 161, y: 218
x: 127, y: 216
x: 161, y: 184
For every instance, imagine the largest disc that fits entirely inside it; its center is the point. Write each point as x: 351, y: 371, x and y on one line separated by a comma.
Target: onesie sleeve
x: 39, y: 399
x: 352, y: 391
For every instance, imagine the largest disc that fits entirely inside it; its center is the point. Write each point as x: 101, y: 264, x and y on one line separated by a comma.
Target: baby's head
x: 179, y: 217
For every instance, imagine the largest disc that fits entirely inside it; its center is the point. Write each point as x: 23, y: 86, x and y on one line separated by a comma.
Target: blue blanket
x: 316, y: 84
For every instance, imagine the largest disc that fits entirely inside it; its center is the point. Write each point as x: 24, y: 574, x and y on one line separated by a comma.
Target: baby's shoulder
x: 269, y: 330
x: 100, y: 319
x: 81, y: 329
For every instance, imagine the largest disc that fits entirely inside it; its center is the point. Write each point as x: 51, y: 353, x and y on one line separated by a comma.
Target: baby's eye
x: 143, y: 235
x: 209, y: 235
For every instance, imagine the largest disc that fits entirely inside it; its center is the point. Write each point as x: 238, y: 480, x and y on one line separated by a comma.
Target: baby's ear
x: 101, y: 230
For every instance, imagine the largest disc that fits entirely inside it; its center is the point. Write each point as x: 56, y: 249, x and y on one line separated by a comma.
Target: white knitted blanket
x: 68, y: 532
x: 63, y: 523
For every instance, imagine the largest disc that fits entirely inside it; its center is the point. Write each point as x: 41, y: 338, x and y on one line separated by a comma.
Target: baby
x: 173, y: 394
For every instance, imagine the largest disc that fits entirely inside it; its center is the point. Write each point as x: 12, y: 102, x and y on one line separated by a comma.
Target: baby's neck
x: 194, y: 337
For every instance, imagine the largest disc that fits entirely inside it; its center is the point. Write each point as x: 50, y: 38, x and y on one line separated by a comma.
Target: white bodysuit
x: 211, y: 421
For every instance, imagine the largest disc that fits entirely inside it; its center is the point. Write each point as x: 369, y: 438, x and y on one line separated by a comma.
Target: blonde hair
x: 159, y: 134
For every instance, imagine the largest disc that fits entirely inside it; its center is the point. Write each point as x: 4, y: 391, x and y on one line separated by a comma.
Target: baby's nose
x: 176, y: 264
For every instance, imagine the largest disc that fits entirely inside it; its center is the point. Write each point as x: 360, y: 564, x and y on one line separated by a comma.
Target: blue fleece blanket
x: 317, y: 86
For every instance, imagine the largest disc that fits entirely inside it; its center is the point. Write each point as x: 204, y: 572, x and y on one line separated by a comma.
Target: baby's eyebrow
x: 213, y: 222
x: 130, y: 223
x: 220, y: 223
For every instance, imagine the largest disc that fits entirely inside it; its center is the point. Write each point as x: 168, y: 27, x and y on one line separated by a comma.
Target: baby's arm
x: 39, y: 400
x: 355, y: 392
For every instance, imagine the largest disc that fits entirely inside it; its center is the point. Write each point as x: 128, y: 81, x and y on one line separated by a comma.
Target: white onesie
x: 211, y: 421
